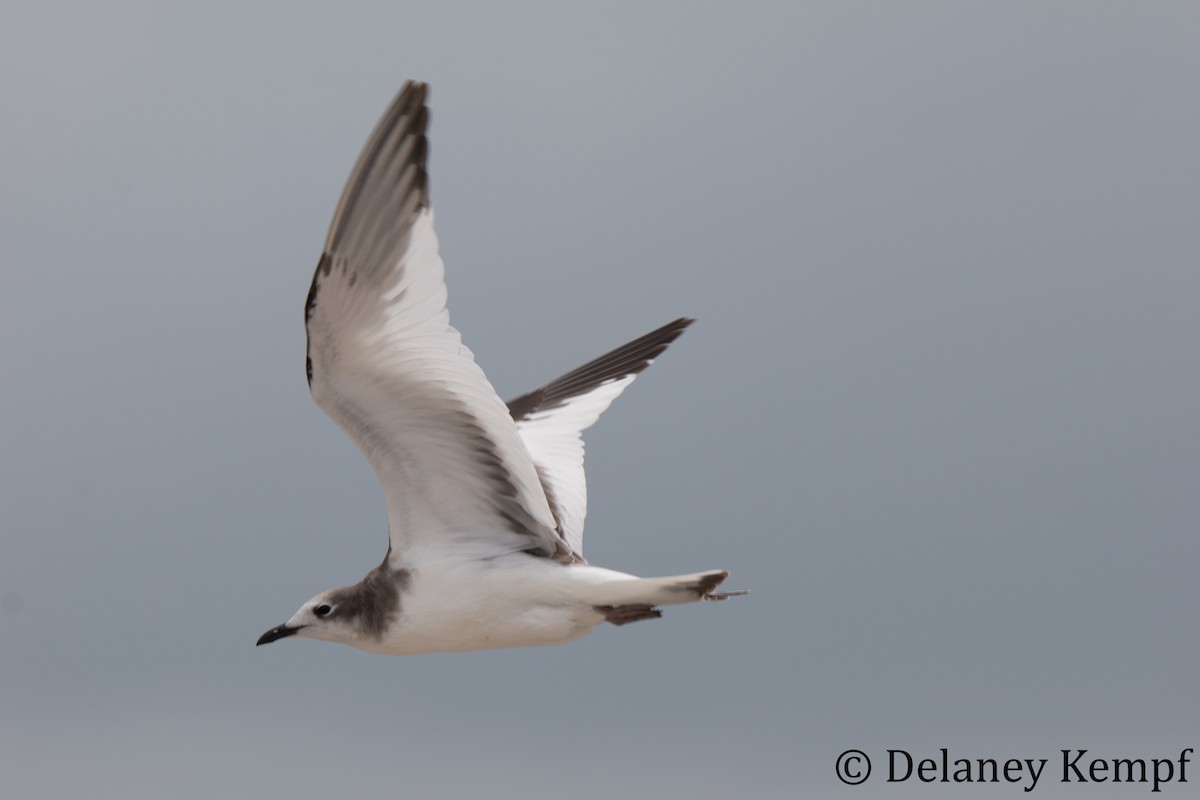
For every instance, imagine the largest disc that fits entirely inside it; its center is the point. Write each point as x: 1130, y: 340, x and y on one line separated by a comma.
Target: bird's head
x: 357, y: 615
x: 323, y: 617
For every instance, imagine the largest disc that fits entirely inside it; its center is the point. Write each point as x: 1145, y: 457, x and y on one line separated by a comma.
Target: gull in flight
x: 485, y: 501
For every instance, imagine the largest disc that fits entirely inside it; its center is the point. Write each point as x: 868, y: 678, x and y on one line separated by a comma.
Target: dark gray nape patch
x: 374, y: 602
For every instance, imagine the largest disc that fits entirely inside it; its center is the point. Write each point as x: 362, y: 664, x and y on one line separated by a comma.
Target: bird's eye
x: 323, y: 610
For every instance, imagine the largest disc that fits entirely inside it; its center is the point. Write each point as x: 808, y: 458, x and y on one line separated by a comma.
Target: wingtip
x: 418, y: 88
x: 667, y: 333
x: 677, y: 326
x: 671, y: 331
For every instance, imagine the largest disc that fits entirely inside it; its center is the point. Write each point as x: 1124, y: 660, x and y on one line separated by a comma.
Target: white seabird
x: 485, y: 502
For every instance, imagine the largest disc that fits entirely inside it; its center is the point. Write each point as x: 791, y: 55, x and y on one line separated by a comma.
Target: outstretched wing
x: 385, y: 364
x: 552, y: 419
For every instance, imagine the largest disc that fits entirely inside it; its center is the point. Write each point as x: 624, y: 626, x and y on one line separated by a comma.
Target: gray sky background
x: 939, y: 412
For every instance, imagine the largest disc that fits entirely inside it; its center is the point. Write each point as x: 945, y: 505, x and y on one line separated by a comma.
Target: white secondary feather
x: 552, y: 418
x: 387, y: 366
x: 554, y: 438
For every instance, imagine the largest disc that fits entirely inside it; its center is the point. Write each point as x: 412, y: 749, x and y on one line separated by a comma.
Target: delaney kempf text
x: 1067, y: 766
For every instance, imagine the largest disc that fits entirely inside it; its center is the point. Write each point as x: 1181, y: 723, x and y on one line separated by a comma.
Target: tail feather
x: 635, y: 599
x: 707, y: 581
x: 725, y: 595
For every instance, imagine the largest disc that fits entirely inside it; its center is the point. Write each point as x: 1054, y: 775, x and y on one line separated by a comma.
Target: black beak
x: 282, y: 632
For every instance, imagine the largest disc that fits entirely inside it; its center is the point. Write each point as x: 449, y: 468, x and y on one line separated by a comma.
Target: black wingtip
x: 631, y: 358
